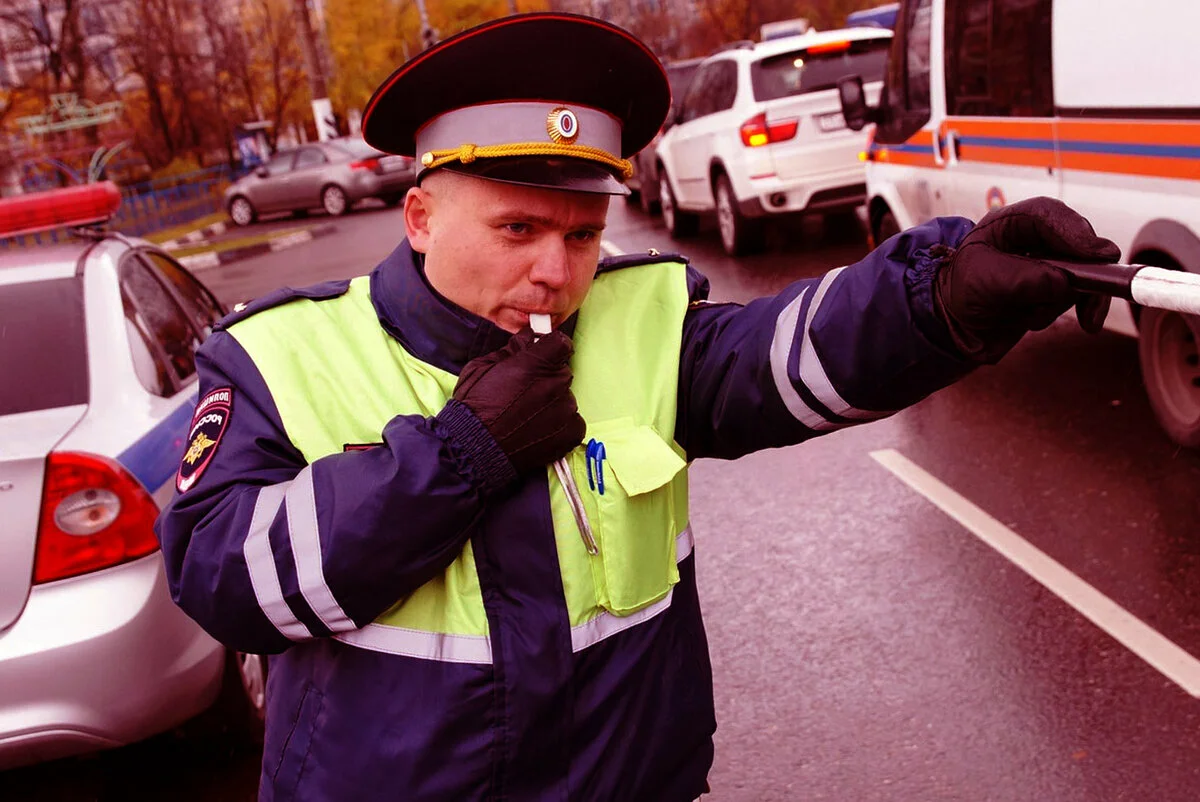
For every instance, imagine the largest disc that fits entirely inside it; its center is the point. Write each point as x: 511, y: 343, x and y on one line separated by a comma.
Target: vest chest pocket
x: 635, y: 519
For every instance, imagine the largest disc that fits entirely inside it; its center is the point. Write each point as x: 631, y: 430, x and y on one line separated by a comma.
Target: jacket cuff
x: 919, y: 280
x: 477, y: 452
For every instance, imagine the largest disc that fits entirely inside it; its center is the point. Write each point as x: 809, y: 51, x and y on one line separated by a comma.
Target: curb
x: 193, y: 237
x: 201, y: 261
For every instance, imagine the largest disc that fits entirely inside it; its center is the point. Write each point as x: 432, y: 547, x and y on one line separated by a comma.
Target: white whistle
x: 541, y: 325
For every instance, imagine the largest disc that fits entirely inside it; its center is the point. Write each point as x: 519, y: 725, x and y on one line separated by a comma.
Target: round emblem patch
x: 563, y: 126
x: 208, y: 424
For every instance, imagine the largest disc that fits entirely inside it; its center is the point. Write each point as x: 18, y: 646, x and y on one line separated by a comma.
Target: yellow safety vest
x: 337, y: 377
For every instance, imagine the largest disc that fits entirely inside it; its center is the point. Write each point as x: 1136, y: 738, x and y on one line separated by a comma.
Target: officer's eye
x: 582, y: 236
x: 518, y: 228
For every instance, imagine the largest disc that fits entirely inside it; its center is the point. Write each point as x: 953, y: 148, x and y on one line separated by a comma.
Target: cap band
x: 497, y: 130
x: 505, y: 123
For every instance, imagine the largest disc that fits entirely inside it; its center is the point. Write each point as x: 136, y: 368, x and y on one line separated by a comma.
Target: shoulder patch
x: 281, y: 296
x: 650, y: 257
x: 209, y: 422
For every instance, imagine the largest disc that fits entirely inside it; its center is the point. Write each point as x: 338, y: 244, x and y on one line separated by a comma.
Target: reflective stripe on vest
x: 333, y: 386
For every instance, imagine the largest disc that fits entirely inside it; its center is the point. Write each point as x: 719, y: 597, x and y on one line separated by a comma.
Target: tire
x: 238, y: 715
x: 392, y: 201
x: 334, y: 201
x: 1169, y: 351
x: 648, y: 197
x: 885, y: 228
x: 679, y: 224
x: 740, y: 235
x: 242, y: 211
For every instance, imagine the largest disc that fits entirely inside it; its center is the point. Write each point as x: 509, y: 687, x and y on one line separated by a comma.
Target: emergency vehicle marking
x: 208, y: 424
x: 1159, y: 149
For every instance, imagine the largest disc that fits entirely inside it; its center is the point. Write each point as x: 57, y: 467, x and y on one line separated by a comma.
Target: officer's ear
x: 418, y: 208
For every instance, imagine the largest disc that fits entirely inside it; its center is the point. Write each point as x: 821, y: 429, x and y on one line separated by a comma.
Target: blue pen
x: 596, y: 453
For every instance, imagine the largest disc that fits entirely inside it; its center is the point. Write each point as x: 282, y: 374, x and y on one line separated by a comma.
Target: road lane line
x: 609, y: 248
x: 1166, y: 657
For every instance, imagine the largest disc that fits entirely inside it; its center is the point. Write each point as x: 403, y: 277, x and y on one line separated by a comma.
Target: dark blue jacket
x: 628, y: 718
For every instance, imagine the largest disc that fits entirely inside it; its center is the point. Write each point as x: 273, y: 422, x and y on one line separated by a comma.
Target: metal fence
x: 150, y: 206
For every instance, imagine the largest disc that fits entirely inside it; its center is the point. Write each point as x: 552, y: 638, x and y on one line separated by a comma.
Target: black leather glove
x: 522, y: 395
x: 994, y: 288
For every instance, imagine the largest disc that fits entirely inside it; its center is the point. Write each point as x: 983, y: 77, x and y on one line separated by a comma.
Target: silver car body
x: 104, y: 658
x: 295, y: 179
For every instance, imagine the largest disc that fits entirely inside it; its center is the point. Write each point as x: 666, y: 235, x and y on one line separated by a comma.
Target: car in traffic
x: 98, y: 393
x: 643, y: 184
x: 331, y: 176
x: 760, y: 135
x: 991, y: 102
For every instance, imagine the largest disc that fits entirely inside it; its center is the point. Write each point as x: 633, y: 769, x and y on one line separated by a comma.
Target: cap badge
x: 563, y: 126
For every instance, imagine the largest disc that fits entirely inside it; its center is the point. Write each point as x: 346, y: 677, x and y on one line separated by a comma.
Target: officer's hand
x: 995, y: 287
x: 522, y: 394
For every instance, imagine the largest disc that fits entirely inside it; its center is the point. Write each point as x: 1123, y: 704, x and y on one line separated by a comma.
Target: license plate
x: 392, y: 164
x: 831, y: 122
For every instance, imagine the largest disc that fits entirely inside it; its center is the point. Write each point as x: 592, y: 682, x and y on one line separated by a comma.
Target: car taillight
x: 94, y: 515
x: 365, y: 164
x: 757, y: 132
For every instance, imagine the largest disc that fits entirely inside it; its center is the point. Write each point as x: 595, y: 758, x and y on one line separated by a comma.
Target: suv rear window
x: 43, y: 347
x: 803, y: 71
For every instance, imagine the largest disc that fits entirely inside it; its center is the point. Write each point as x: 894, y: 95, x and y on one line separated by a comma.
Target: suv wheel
x: 885, y: 228
x: 333, y: 200
x: 679, y: 224
x: 1169, y: 352
x: 739, y: 234
x: 241, y: 211
x: 649, y: 196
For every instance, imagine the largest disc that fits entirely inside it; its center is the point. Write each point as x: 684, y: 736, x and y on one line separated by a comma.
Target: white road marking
x: 609, y: 248
x: 1166, y: 657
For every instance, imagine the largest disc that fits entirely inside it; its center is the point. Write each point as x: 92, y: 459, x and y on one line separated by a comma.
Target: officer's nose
x: 551, y: 267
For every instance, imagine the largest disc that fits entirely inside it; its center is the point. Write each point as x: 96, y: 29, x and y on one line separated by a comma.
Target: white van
x: 990, y: 101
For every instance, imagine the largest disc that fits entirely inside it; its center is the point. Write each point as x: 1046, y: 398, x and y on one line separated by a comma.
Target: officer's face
x: 503, y: 251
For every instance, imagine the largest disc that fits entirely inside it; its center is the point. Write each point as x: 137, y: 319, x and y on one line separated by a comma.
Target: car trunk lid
x: 801, y: 86
x: 25, y: 440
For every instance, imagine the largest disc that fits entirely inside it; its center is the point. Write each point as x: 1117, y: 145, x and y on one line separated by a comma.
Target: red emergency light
x: 829, y: 47
x: 73, y: 206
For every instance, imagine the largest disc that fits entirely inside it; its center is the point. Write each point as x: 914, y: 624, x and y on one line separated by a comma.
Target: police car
x: 97, y: 338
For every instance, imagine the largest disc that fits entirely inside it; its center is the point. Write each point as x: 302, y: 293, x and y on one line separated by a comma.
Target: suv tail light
x: 94, y: 515
x: 757, y: 132
x: 365, y: 164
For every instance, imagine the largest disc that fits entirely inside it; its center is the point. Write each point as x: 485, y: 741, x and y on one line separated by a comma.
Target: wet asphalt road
x: 867, y: 646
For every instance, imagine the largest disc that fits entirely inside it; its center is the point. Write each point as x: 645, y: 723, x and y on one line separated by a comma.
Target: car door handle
x: 952, y: 145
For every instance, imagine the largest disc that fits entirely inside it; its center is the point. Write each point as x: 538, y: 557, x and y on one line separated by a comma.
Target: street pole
x: 321, y: 105
x: 429, y: 36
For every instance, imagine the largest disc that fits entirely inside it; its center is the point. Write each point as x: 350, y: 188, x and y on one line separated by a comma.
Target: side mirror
x: 261, y: 171
x: 854, y: 103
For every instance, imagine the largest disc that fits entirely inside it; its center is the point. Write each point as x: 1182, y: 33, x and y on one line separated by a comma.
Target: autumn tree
x: 370, y: 39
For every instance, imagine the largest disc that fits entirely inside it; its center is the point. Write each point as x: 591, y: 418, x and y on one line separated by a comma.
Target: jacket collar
x: 430, y: 327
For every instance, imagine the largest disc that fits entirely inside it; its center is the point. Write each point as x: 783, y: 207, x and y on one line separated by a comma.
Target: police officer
x: 467, y: 546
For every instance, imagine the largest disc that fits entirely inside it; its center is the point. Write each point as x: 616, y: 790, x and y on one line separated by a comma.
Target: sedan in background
x: 331, y: 176
x: 98, y: 393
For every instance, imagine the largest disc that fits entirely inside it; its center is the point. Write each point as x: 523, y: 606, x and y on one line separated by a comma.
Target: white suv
x: 760, y: 133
